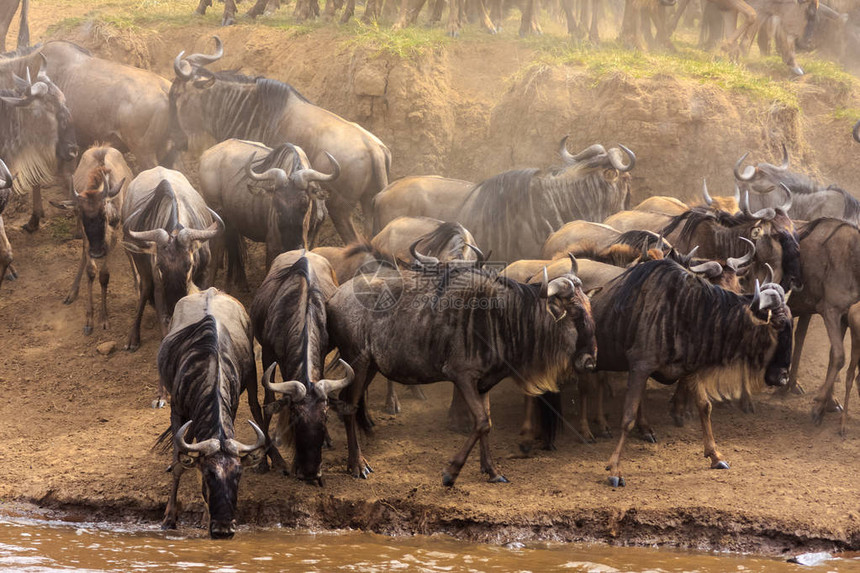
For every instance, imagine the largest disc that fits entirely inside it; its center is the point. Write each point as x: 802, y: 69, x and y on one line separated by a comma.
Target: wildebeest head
x: 615, y: 171
x: 304, y: 409
x: 191, y: 76
x: 769, y: 304
x: 220, y: 462
x: 566, y: 299
x: 46, y: 94
x: 294, y: 195
x: 776, y: 242
x: 173, y: 246
x: 97, y: 213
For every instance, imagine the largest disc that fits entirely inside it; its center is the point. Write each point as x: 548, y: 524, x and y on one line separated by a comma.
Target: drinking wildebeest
x: 464, y: 325
x: 226, y: 104
x: 270, y: 196
x: 289, y: 320
x: 659, y: 320
x: 167, y: 225
x: 205, y: 362
x: 102, y: 177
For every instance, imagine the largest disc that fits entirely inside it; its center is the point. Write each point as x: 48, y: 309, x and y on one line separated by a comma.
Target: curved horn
x: 113, y: 191
x: 181, y: 68
x: 276, y: 175
x: 856, y: 131
x: 689, y: 256
x: 784, y: 166
x: 587, y: 153
x: 788, y: 200
x: 736, y: 264
x: 328, y: 386
x: 560, y: 286
x: 6, y: 176
x: 302, y: 177
x: 478, y: 252
x: 544, y: 284
x: 615, y: 159
x: 36, y: 90
x: 710, y: 269
x: 767, y: 213
x: 737, y: 194
x: 205, y: 448
x: 748, y: 172
x: 206, y: 59
x: 756, y: 295
x: 422, y: 259
x: 157, y: 236
x: 769, y: 273
x: 293, y: 388
x: 708, y: 200
x: 574, y: 266
x: 188, y: 235
x: 237, y: 448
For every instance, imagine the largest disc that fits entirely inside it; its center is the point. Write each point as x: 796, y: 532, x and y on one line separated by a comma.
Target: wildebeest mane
x: 543, y: 200
x: 657, y: 300
x: 203, y: 380
x: 245, y: 107
x: 292, y: 309
x: 283, y: 156
x: 436, y: 242
x: 518, y: 328
x: 637, y: 239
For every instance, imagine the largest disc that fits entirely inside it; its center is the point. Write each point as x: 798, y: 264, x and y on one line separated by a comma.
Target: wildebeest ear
x: 253, y: 459
x: 756, y: 232
x: 187, y: 461
x: 593, y: 291
x: 67, y: 204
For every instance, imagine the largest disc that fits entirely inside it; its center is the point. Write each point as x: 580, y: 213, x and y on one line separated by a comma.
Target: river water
x: 33, y: 545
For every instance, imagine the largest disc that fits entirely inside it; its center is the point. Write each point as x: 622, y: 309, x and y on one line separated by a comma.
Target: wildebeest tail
x: 164, y: 442
x: 24, y: 29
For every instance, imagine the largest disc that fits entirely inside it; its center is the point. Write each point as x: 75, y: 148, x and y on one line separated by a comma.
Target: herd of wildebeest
x: 700, y: 296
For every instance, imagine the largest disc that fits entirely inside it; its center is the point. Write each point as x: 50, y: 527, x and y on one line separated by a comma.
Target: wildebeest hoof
x: 392, y: 408
x: 498, y: 479
x: 797, y: 71
x: 158, y: 403
x: 228, y: 22
x: 70, y: 299
x: 649, y: 436
x: 833, y: 405
x: 131, y: 347
x: 30, y: 227
x: 448, y: 479
x: 720, y: 465
x: 615, y: 481
x: 454, y: 33
x: 526, y: 447
x: 88, y: 330
x: 165, y: 525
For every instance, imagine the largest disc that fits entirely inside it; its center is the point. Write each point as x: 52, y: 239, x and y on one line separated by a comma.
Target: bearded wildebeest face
x: 220, y: 463
x: 769, y: 305
x: 55, y: 101
x: 776, y: 243
x: 186, y: 110
x: 174, y: 263
x: 304, y: 410
x: 567, y: 301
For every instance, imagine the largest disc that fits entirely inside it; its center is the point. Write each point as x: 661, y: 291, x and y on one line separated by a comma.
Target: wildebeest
x: 206, y: 361
x: 37, y: 132
x: 112, y: 103
x: 268, y: 195
x: 601, y: 243
x: 289, y: 320
x: 431, y: 237
x: 464, y: 325
x: 659, y: 320
x: 420, y: 196
x: 7, y: 13
x: 831, y: 277
x: 810, y: 199
x: 717, y: 236
x: 6, y: 182
x: 98, y: 187
x: 166, y: 224
x: 226, y: 104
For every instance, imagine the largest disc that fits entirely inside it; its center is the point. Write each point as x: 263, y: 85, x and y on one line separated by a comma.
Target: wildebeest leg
x: 302, y: 10
x: 356, y: 465
x: 145, y: 292
x: 455, y: 13
x: 436, y: 12
x: 679, y: 12
x: 645, y: 430
x: 258, y: 8
x: 340, y: 214
x: 76, y: 284
x: 91, y: 277
x: 482, y: 426
x: 704, y: 406
x: 836, y: 333
x: 459, y: 417
x: 602, y: 384
x: 392, y: 403
x: 528, y: 430
x: 636, y: 381
x: 799, y: 337
x: 104, y: 279
x: 570, y: 18
x: 229, y: 17
x: 38, y: 211
x: 486, y: 21
x: 529, y: 24
x: 5, y: 252
x: 169, y: 521
x: 785, y: 48
x: 270, y: 405
x: 487, y: 465
x: 201, y: 7
x: 586, y: 385
x: 348, y: 11
x: 851, y: 374
x: 680, y: 403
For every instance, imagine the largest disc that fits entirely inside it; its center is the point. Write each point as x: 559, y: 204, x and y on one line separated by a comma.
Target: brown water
x: 32, y: 545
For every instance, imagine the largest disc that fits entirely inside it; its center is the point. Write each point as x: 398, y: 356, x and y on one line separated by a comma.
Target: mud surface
x: 77, y: 426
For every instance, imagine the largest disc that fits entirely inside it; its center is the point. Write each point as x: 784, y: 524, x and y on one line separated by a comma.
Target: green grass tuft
x: 406, y: 43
